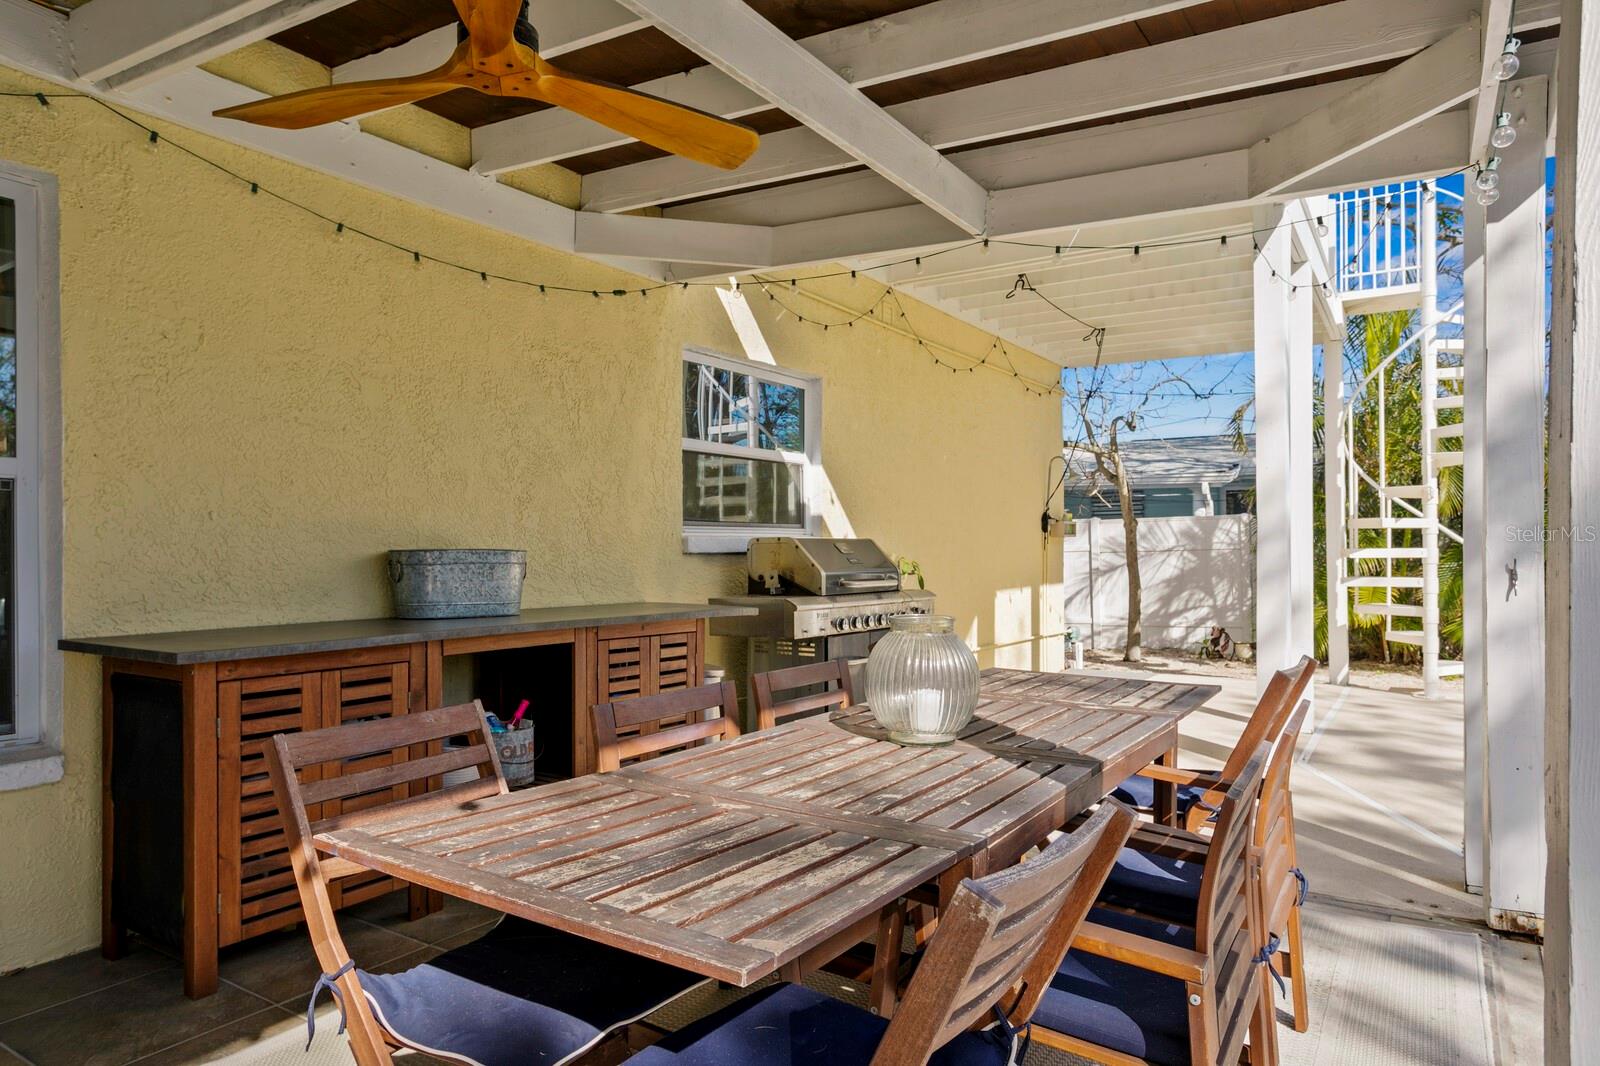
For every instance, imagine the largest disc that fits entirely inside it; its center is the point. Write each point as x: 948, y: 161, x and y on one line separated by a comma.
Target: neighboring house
x: 1170, y: 476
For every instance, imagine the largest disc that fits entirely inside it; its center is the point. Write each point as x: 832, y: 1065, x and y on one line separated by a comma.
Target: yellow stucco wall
x: 255, y: 411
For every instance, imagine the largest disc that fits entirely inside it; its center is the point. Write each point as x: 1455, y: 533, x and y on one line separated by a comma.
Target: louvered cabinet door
x: 356, y: 694
x: 256, y: 889
x: 642, y: 661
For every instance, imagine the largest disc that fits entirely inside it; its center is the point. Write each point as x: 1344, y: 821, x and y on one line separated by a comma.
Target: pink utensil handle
x: 522, y: 709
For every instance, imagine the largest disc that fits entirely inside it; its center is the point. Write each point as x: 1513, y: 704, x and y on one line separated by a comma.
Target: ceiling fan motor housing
x: 523, y: 33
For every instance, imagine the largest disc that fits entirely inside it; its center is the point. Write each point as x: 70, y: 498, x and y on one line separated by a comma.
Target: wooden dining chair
x: 521, y: 992
x: 646, y: 725
x: 1136, y: 990
x: 973, y: 992
x: 1158, y: 874
x: 834, y: 675
x: 1199, y: 791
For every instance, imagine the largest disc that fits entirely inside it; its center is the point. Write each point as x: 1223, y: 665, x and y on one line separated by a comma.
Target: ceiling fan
x: 498, y: 55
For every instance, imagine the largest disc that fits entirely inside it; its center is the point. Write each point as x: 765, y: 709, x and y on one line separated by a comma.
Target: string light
x: 1487, y: 182
x: 1504, y: 134
x: 1489, y: 176
x: 1505, y: 68
x: 1322, y: 227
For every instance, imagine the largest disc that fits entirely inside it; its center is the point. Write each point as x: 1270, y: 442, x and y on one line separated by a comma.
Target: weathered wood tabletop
x: 742, y: 858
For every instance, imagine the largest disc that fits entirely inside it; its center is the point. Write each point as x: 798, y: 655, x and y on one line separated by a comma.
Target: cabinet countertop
x: 260, y: 642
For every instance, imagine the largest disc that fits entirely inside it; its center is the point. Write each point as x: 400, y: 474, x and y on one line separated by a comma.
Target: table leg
x: 1166, y: 810
x: 886, y: 959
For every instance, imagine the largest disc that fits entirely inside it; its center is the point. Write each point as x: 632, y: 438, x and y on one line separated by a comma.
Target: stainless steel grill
x: 817, y: 598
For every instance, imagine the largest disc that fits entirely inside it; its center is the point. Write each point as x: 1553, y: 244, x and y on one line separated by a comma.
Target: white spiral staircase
x: 1388, y: 543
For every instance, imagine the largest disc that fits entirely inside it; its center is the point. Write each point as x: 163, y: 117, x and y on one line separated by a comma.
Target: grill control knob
x: 858, y: 622
x: 838, y: 623
x: 880, y: 619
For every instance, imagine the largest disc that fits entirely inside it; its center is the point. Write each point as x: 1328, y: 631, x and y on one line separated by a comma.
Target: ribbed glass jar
x: 922, y: 680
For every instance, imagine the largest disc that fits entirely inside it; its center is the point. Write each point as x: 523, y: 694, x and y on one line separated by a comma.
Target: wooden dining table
x: 778, y: 850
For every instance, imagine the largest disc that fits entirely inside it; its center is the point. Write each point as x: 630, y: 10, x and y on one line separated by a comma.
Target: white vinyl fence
x: 1197, y: 571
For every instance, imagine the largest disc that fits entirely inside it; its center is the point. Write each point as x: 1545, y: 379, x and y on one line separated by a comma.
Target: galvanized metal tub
x: 457, y: 582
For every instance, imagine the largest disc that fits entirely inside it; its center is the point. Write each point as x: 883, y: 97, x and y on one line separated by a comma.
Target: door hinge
x: 219, y: 902
x: 219, y: 728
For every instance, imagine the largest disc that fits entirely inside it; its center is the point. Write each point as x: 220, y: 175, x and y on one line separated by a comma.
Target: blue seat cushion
x: 1140, y: 792
x: 522, y: 993
x: 791, y: 1025
x: 1160, y: 886
x: 1119, y: 1006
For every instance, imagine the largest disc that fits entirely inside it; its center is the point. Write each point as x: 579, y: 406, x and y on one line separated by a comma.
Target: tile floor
x: 1402, y: 972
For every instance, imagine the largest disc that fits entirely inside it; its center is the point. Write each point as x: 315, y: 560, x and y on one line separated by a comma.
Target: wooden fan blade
x: 668, y: 126
x: 331, y: 103
x: 491, y: 24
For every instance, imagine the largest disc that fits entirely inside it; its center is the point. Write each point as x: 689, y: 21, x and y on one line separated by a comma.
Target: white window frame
x: 727, y: 538
x: 32, y: 755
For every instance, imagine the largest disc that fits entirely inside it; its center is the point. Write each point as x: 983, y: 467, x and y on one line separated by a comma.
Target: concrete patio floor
x: 1403, y: 972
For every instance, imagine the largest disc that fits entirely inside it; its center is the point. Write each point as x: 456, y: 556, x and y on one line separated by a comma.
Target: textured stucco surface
x: 254, y: 411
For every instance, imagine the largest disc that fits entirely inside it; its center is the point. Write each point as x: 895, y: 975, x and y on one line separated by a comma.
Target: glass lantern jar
x: 922, y: 680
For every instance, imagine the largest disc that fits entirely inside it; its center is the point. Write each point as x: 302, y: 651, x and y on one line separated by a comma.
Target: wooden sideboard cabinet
x: 193, y: 851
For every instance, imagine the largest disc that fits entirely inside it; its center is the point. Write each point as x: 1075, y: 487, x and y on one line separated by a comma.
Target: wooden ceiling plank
x: 758, y: 54
x: 1349, y: 34
x: 1437, y: 78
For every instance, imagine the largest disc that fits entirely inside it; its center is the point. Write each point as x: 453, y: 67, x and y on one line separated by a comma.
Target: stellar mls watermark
x: 1586, y: 534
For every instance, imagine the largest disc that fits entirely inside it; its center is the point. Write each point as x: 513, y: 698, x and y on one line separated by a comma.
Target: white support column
x: 1513, y: 516
x: 1428, y: 357
x: 1283, y: 342
x: 1475, y: 366
x: 1333, y: 492
x: 1572, y: 925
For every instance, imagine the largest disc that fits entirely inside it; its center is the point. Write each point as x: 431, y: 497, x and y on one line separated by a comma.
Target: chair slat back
x: 772, y: 708
x: 1008, y: 930
x: 646, y: 725
x: 1274, y: 829
x: 1266, y: 722
x: 1229, y: 928
x: 379, y: 761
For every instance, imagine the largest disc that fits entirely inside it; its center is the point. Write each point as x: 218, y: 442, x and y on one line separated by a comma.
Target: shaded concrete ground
x: 1403, y: 973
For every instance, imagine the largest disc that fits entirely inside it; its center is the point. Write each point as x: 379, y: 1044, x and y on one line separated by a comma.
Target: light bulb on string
x: 984, y: 248
x: 918, y: 267
x: 1489, y: 176
x: 1505, y: 68
x: 1488, y: 196
x: 1505, y: 134
x: 1322, y: 227
x: 1136, y: 251
x: 1222, y: 247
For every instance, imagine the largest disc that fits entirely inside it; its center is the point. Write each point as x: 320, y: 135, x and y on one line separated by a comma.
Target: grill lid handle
x: 869, y: 582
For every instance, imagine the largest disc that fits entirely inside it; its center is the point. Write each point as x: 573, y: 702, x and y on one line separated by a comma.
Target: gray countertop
x: 259, y: 642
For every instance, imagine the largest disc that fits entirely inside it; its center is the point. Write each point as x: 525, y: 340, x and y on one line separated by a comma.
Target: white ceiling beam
x: 128, y: 43
x: 1170, y: 273
x: 1158, y: 190
x: 1328, y: 38
x: 564, y: 26
x: 731, y: 35
x: 1496, y: 27
x: 1433, y: 80
x: 941, y: 34
x: 716, y: 243
x: 1079, y: 248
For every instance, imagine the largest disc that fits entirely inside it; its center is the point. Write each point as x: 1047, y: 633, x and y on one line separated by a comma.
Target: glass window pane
x: 8, y: 610
x: 722, y: 490
x: 782, y: 419
x: 8, y: 327
x: 716, y: 404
